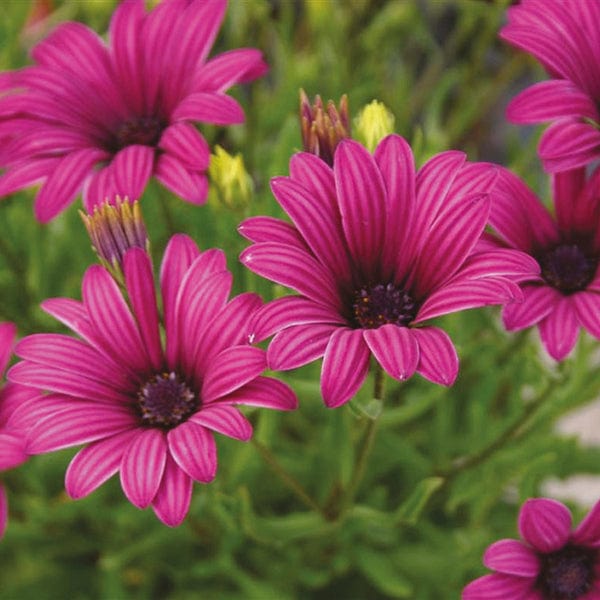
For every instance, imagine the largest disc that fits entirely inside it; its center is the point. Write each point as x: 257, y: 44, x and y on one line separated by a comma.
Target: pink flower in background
x: 551, y: 563
x: 12, y: 432
x: 105, y: 118
x: 146, y: 410
x: 567, y: 248
x: 565, y: 38
x: 375, y: 250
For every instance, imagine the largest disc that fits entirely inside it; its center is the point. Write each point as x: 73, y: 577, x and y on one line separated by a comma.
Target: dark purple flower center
x: 568, y: 268
x: 166, y: 401
x: 139, y: 130
x: 566, y: 574
x: 376, y: 305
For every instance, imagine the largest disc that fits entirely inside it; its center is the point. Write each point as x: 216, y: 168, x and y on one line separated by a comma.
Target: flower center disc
x: 567, y: 574
x: 377, y: 305
x: 141, y: 130
x: 567, y: 268
x: 165, y: 401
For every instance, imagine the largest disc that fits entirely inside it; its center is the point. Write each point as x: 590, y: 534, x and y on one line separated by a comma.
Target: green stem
x: 168, y: 217
x: 289, y: 480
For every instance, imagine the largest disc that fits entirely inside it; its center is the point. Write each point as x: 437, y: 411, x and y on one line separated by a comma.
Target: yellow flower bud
x: 373, y: 123
x: 229, y: 177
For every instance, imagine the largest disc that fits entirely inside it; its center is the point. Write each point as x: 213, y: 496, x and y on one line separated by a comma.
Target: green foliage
x: 447, y: 468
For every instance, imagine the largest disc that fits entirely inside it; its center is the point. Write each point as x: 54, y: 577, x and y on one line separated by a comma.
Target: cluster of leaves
x: 448, y: 466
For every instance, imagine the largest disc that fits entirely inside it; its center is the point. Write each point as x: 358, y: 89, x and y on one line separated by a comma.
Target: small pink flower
x: 567, y: 248
x: 375, y: 250
x: 12, y: 432
x: 144, y: 408
x: 565, y: 38
x: 551, y: 563
x: 106, y: 118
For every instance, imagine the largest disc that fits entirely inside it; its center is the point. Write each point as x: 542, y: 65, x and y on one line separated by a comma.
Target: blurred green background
x: 449, y: 467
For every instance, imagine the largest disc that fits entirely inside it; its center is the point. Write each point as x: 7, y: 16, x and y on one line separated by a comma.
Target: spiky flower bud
x: 323, y: 127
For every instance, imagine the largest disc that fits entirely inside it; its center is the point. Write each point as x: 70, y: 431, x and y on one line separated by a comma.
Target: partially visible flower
x: 229, y: 176
x: 12, y: 431
x: 375, y: 251
x: 551, y: 563
x: 565, y: 38
x: 323, y: 128
x: 106, y: 118
x: 145, y: 408
x: 114, y: 229
x: 567, y: 248
x: 373, y: 123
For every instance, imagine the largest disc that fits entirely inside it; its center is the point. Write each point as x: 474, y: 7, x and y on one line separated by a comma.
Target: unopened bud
x: 229, y: 176
x: 373, y: 123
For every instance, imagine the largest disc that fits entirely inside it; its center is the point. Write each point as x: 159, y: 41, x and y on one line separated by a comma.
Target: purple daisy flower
x: 551, y: 563
x: 567, y: 248
x: 375, y: 250
x: 105, y: 118
x: 12, y: 429
x: 146, y: 410
x: 564, y: 37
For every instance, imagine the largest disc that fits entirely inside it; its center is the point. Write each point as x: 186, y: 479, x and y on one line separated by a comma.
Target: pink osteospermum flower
x: 564, y: 37
x: 551, y: 563
x: 142, y: 409
x: 105, y: 118
x: 12, y: 430
x: 567, y: 248
x: 376, y: 250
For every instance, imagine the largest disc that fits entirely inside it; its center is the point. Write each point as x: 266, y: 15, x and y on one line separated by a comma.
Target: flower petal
x: 512, y: 558
x: 588, y: 531
x: 12, y: 450
x: 186, y: 144
x: 142, y: 466
x: 545, y: 524
x: 132, y: 168
x: 172, y: 501
x: 587, y: 306
x: 263, y: 392
x: 209, y: 107
x: 231, y: 67
x: 559, y: 330
x: 438, y: 360
x: 569, y: 144
x: 194, y: 450
x: 501, y: 587
x: 538, y: 302
x: 345, y: 366
x: 395, y: 349
x: 269, y: 229
x: 224, y: 419
x: 96, y: 463
x: 8, y: 332
x: 190, y: 185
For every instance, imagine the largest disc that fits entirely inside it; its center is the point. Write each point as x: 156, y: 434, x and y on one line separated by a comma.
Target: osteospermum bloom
x: 376, y: 250
x: 104, y: 118
x: 550, y: 563
x: 567, y: 248
x: 146, y: 410
x: 564, y: 37
x: 12, y: 430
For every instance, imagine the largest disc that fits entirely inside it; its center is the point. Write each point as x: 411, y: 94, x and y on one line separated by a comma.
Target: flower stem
x: 289, y: 480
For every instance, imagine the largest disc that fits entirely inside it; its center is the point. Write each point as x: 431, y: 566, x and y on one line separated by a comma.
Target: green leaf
x: 410, y: 510
x: 383, y: 573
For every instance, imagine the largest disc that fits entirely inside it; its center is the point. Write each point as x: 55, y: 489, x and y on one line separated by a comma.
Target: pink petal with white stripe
x: 549, y: 100
x: 501, y: 587
x: 362, y: 202
x: 65, y: 182
x: 512, y: 558
x: 172, y: 500
x: 186, y: 144
x: 100, y: 187
x: 345, y: 366
x: 298, y: 345
x: 560, y: 329
x: 545, y: 524
x: 8, y: 331
x: 191, y: 185
x: 263, y: 392
x: 500, y: 262
x: 71, y: 313
x: 270, y: 229
x: 224, y: 419
x: 132, y: 168
x: 438, y: 360
x: 142, y: 466
x: 84, y: 422
x: 140, y: 289
x: 230, y: 370
x: 193, y: 449
x: 569, y: 144
x: 27, y: 173
x: 538, y: 302
x: 395, y: 349
x: 208, y: 107
x: 588, y: 531
x: 12, y: 450
x: 229, y: 68
x: 96, y: 463
x: 587, y: 306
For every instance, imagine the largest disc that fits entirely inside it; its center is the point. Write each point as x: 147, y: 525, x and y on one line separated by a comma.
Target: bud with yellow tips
x: 229, y: 177
x: 373, y: 123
